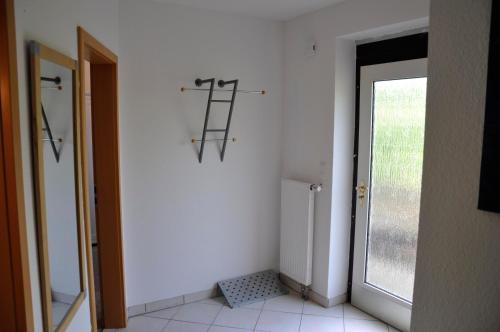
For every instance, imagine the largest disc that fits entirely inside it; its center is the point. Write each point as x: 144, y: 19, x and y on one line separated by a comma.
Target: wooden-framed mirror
x: 58, y: 185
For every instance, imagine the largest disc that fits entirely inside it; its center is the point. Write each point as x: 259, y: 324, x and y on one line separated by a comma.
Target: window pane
x: 396, y: 176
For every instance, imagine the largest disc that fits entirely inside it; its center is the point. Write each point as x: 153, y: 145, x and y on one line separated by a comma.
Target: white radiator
x: 297, y: 225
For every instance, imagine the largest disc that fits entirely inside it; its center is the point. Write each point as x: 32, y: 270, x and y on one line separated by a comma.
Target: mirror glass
x: 59, y: 187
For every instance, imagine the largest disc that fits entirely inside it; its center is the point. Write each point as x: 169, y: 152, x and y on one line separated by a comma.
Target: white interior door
x: 390, y: 155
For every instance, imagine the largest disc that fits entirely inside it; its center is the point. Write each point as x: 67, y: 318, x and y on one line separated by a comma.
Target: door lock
x: 362, y: 190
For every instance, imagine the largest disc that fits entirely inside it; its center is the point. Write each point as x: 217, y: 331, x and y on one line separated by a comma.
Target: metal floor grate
x: 252, y: 288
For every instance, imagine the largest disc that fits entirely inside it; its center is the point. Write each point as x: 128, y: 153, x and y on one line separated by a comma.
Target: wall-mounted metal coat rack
x: 56, y: 80
x: 51, y: 139
x: 46, y: 126
x: 199, y: 82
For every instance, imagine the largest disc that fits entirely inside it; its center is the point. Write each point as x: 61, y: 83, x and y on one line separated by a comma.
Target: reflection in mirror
x: 59, y: 178
x: 56, y: 166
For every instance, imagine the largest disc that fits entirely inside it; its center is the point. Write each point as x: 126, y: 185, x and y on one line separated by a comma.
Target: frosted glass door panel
x: 396, y: 175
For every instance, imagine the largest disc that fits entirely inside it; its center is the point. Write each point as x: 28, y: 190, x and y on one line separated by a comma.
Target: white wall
x: 53, y: 23
x: 318, y: 116
x: 458, y: 255
x: 188, y: 225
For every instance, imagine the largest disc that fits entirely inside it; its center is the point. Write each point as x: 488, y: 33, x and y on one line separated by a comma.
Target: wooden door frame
x: 104, y: 86
x: 16, y: 311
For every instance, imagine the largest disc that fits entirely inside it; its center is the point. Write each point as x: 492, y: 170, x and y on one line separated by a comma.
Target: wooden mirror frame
x: 39, y: 52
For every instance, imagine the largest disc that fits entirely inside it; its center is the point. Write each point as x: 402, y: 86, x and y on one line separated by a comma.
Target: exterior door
x: 390, y: 155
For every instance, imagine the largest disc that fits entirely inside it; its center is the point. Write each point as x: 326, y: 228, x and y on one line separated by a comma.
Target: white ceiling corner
x: 281, y: 10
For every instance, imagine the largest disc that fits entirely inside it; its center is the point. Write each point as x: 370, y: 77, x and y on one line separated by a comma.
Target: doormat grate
x: 252, y: 288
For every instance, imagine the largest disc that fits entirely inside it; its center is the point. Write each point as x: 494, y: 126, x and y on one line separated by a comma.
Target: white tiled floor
x: 287, y: 313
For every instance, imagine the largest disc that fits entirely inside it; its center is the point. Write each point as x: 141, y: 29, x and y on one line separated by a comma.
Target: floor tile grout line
x: 343, y: 317
x: 233, y: 327
x: 165, y: 327
x: 230, y: 327
x: 258, y: 318
x: 326, y: 316
x: 154, y: 317
x: 286, y: 312
x: 239, y: 328
x: 206, y: 303
x: 218, y: 313
x: 189, y: 321
x: 148, y: 314
x: 302, y: 315
x: 167, y: 308
x: 365, y: 319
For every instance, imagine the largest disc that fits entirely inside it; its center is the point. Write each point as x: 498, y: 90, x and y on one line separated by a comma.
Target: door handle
x: 362, y: 190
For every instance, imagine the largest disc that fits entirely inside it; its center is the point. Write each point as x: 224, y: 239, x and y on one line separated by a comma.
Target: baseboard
x: 339, y: 299
x: 141, y: 309
x: 318, y: 298
x: 145, y: 308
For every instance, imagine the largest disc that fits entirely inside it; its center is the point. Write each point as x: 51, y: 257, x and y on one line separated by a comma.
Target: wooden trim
x: 77, y: 134
x: 56, y: 57
x: 7, y: 296
x: 93, y: 50
x: 85, y: 196
x: 15, y: 245
x: 39, y: 52
x: 36, y: 124
x: 104, y: 86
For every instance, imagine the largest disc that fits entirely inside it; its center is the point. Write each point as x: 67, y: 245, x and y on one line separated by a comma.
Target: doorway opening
x: 92, y: 196
x: 390, y: 123
x: 100, y: 159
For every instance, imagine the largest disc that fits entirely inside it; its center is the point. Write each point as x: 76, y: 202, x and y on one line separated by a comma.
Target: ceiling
x: 269, y: 9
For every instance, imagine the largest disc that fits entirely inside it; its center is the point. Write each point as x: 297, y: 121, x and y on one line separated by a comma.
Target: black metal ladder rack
x: 199, y: 82
x: 46, y: 126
